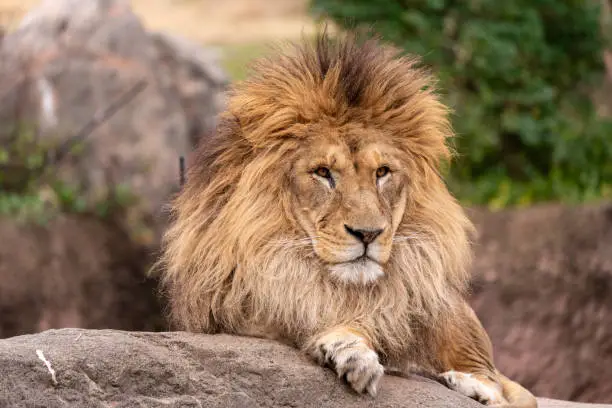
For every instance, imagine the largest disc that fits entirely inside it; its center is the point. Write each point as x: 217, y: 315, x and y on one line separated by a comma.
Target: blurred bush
x: 30, y: 189
x: 519, y: 75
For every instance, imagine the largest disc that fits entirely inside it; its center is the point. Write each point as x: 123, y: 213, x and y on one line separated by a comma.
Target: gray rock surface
x: 105, y: 368
x: 69, y: 59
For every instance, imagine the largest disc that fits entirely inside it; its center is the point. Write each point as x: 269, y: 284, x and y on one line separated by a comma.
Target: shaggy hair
x: 235, y: 258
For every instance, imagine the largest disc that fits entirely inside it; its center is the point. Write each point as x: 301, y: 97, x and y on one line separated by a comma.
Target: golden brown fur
x: 261, y: 240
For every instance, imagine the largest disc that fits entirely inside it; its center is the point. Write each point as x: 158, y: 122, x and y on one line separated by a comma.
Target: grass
x: 237, y: 57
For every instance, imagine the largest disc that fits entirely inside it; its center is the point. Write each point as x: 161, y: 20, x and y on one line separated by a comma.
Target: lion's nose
x: 365, y: 235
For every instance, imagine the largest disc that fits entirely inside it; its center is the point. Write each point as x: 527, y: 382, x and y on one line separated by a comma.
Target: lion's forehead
x: 341, y: 154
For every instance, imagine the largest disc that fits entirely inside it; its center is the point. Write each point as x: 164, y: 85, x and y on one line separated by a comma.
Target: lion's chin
x: 362, y: 271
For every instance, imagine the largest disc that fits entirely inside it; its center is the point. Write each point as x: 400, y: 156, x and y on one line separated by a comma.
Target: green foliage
x: 518, y: 74
x: 31, y: 190
x: 237, y: 57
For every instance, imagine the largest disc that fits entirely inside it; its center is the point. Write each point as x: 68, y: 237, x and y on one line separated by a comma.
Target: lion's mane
x: 232, y: 258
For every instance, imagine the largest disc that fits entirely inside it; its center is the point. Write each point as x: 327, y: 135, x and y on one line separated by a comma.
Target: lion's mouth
x: 363, y: 259
x: 360, y: 260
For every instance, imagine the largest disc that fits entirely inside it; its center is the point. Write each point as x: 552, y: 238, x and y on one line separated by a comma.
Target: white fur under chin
x: 362, y: 271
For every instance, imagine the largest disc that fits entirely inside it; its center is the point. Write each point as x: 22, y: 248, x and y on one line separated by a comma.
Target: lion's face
x: 350, y: 194
x: 324, y: 167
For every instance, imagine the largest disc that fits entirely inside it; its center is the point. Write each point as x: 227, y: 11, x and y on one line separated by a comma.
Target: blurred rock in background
x: 68, y: 59
x: 543, y: 290
x: 64, y: 64
x: 74, y: 272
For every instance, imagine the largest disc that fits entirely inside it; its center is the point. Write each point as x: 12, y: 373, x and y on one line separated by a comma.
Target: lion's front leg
x: 349, y: 353
x: 467, y: 357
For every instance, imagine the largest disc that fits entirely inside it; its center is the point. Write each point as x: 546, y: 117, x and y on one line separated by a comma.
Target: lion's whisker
x: 307, y: 239
x: 409, y: 237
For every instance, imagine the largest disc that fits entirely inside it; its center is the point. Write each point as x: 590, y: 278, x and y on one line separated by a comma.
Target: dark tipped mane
x: 354, y: 60
x: 341, y: 79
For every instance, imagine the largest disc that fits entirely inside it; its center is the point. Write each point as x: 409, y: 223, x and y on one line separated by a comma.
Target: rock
x: 551, y: 403
x: 543, y: 290
x: 69, y: 59
x: 73, y: 272
x: 196, y: 72
x: 130, y: 369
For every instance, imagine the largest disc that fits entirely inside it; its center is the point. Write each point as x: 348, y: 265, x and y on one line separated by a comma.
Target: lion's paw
x: 353, y: 360
x: 470, y: 386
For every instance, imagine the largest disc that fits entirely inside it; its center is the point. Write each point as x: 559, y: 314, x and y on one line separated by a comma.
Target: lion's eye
x: 382, y: 171
x: 323, y: 172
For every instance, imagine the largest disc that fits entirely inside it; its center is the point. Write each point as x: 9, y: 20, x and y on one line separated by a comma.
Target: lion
x: 317, y: 215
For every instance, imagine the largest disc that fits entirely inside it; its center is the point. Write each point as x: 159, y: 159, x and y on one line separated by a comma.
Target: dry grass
x: 229, y: 21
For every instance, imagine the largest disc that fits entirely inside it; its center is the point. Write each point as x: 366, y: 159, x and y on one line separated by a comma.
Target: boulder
x: 70, y: 60
x: 64, y: 65
x: 543, y: 290
x: 105, y: 368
